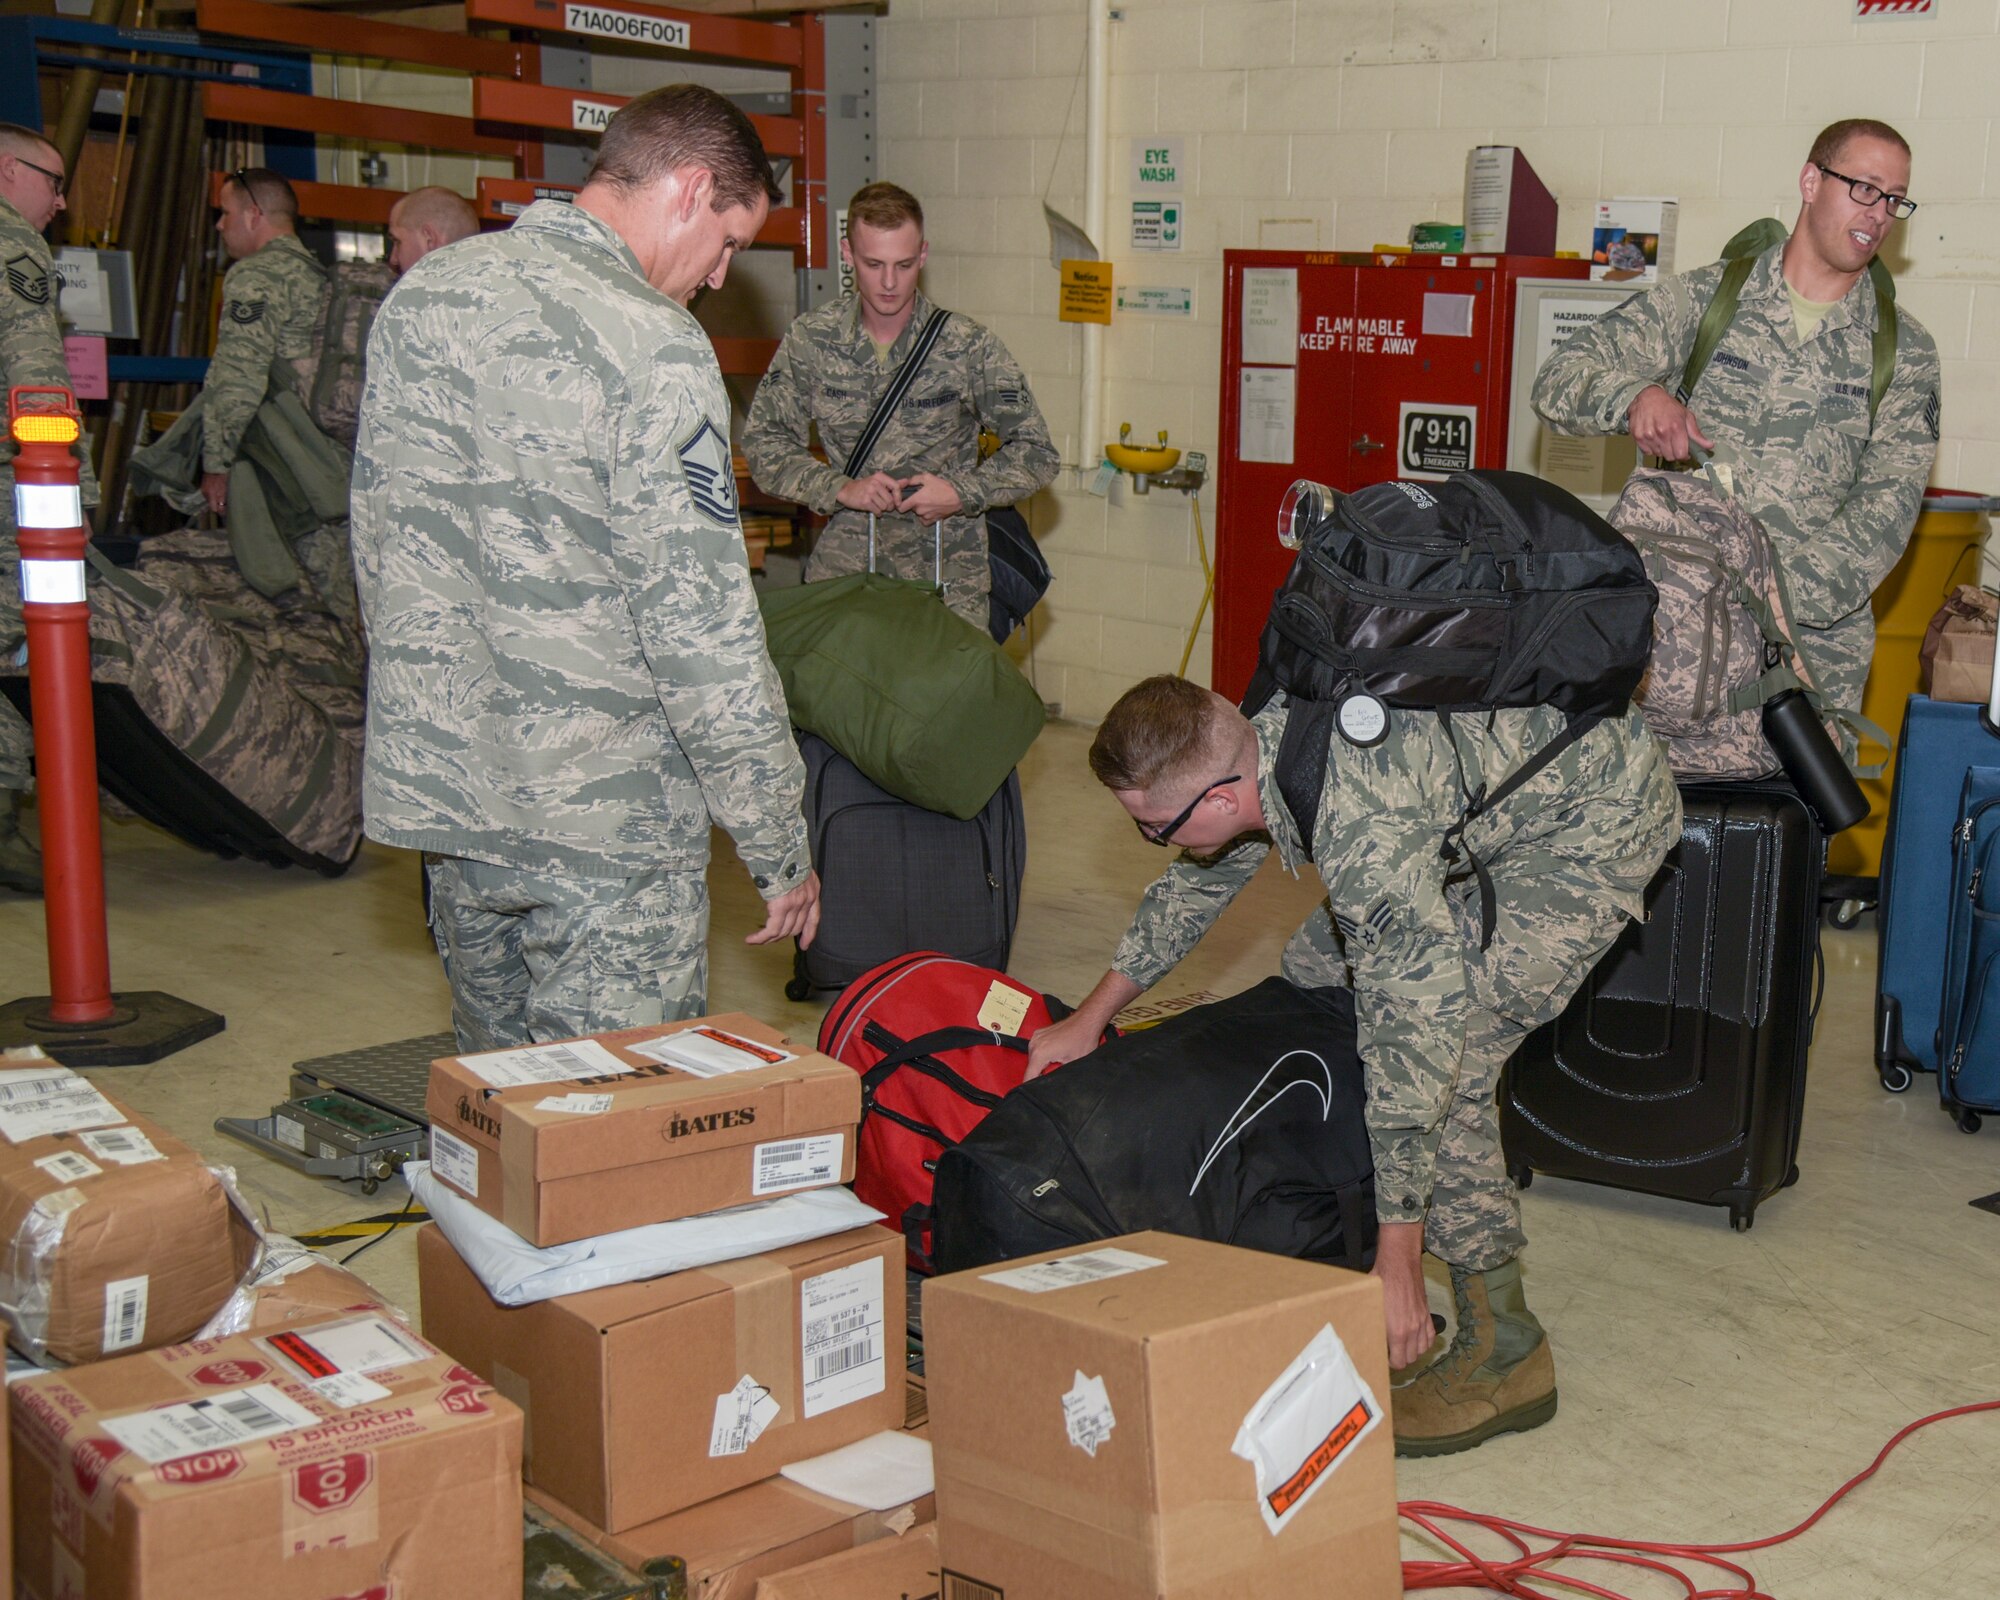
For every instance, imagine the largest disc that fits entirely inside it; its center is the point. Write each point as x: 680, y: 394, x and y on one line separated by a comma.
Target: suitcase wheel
x: 1968, y: 1122
x: 1740, y: 1220
x: 1896, y: 1077
x: 799, y: 989
x: 1522, y: 1176
x: 1791, y: 1177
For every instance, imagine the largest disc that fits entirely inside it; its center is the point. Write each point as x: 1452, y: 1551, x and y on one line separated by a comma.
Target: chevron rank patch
x: 245, y: 312
x: 28, y: 278
x: 711, y: 479
x: 1366, y: 931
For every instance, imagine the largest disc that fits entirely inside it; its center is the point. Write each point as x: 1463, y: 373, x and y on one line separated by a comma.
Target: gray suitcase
x: 895, y: 877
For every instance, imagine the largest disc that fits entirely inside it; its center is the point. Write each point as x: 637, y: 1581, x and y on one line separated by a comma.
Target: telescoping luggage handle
x: 937, y: 550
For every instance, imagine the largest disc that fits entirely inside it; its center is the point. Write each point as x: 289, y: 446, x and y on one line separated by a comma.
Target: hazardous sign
x: 1364, y: 336
x: 1436, y: 440
x: 632, y: 26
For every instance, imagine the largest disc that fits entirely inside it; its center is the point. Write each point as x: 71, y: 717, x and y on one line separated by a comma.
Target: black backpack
x: 1242, y: 1122
x: 1489, y: 590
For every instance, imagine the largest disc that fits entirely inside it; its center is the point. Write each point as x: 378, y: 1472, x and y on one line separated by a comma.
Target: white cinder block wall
x: 1338, y: 123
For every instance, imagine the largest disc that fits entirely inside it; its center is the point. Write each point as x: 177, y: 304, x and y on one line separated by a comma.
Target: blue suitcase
x: 1969, y: 1032
x: 1940, y: 743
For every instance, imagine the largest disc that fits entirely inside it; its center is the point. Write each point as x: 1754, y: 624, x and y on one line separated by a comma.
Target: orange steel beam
x: 351, y: 119
x: 504, y: 199
x: 357, y: 36
x: 330, y: 202
x: 531, y: 105
x: 688, y: 33
x: 744, y: 358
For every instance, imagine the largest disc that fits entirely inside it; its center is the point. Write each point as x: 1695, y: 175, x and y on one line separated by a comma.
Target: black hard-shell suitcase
x: 895, y: 877
x: 1679, y: 1068
x: 1242, y: 1121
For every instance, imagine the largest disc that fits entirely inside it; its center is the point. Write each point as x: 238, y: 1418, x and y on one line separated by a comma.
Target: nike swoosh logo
x: 1320, y: 1084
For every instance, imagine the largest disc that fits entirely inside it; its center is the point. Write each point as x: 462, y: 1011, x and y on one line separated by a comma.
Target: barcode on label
x: 35, y: 1088
x: 844, y: 1359
x: 124, y: 1314
x: 957, y: 1586
x: 797, y: 1163
x: 251, y: 1414
x: 114, y: 1141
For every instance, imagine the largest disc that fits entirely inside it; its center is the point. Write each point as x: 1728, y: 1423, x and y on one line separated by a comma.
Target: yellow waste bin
x: 1942, y: 554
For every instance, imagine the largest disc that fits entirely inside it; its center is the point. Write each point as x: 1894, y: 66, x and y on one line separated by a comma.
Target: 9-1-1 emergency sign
x: 1436, y: 440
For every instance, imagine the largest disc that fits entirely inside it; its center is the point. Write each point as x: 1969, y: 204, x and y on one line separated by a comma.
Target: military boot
x: 20, y: 861
x: 1497, y: 1377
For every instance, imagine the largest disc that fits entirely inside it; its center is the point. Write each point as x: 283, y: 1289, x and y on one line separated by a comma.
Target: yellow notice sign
x: 1086, y: 291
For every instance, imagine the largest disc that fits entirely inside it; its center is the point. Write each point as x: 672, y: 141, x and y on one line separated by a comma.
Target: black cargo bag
x: 1240, y: 1122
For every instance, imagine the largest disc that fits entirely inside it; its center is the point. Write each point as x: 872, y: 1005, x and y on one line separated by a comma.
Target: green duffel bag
x: 925, y: 704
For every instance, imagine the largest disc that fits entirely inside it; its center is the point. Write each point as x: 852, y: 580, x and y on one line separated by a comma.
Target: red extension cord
x: 1509, y: 1576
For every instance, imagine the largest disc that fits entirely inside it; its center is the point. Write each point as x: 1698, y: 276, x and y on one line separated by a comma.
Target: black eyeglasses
x: 56, y: 180
x: 241, y: 178
x: 1866, y: 194
x: 1164, y: 834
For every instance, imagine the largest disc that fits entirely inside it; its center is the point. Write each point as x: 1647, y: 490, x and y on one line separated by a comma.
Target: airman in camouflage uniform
x: 1570, y: 855
x: 271, y: 304
x: 568, y: 677
x: 1786, y: 411
x: 31, y: 352
x: 830, y: 370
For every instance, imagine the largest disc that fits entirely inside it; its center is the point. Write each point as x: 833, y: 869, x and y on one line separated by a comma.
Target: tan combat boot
x: 1497, y: 1377
x: 20, y: 861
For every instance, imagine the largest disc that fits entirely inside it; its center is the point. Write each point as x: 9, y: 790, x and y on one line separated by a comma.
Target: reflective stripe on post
x: 51, y: 583
x: 47, y: 505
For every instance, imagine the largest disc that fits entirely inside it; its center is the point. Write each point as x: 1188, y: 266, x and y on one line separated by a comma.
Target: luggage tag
x: 1363, y: 720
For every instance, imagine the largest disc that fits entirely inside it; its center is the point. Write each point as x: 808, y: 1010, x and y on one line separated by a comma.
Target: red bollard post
x: 48, y: 511
x: 80, y: 1021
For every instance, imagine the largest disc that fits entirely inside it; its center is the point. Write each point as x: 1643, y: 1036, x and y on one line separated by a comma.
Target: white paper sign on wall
x: 1157, y: 165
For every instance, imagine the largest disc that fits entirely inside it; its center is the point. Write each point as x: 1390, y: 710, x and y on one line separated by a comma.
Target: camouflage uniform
x: 1570, y: 855
x: 568, y: 676
x: 826, y: 372
x: 31, y: 352
x: 271, y: 303
x: 1790, y: 423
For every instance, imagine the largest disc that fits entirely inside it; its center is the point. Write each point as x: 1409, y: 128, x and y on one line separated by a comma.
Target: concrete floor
x: 1715, y: 1386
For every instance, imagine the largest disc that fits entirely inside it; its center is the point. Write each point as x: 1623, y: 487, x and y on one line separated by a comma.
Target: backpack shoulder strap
x: 892, y: 397
x: 1715, y: 320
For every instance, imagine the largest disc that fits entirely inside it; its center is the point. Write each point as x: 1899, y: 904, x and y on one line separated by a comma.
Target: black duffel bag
x: 1240, y: 1122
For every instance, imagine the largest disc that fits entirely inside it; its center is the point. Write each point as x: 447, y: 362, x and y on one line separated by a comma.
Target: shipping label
x: 712, y: 1052
x: 35, y: 1104
x: 127, y: 1147
x: 358, y: 1345
x: 842, y: 1339
x: 1087, y: 1414
x: 1305, y: 1427
x: 797, y: 1163
x: 124, y: 1314
x: 215, y: 1424
x: 545, y: 1063
x: 67, y: 1166
x: 575, y: 1105
x: 607, y: 22
x: 741, y: 1416
x: 1065, y: 1272
x: 455, y: 1161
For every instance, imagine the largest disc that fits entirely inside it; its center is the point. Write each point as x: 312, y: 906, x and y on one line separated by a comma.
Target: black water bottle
x: 1813, y: 761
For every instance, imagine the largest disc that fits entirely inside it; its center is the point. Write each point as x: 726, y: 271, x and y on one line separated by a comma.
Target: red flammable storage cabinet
x: 1349, y: 368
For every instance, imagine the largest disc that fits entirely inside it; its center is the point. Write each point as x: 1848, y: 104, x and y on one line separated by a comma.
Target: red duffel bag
x: 937, y: 1042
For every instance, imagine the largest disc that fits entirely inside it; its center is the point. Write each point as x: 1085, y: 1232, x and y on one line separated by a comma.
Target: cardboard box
x: 735, y: 1539
x: 635, y: 1394
x: 1632, y: 240
x: 1085, y: 1419
x: 564, y: 1158
x: 226, y: 1469
x: 293, y: 1285
x: 1507, y: 207
x: 117, y: 1236
x: 888, y: 1569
